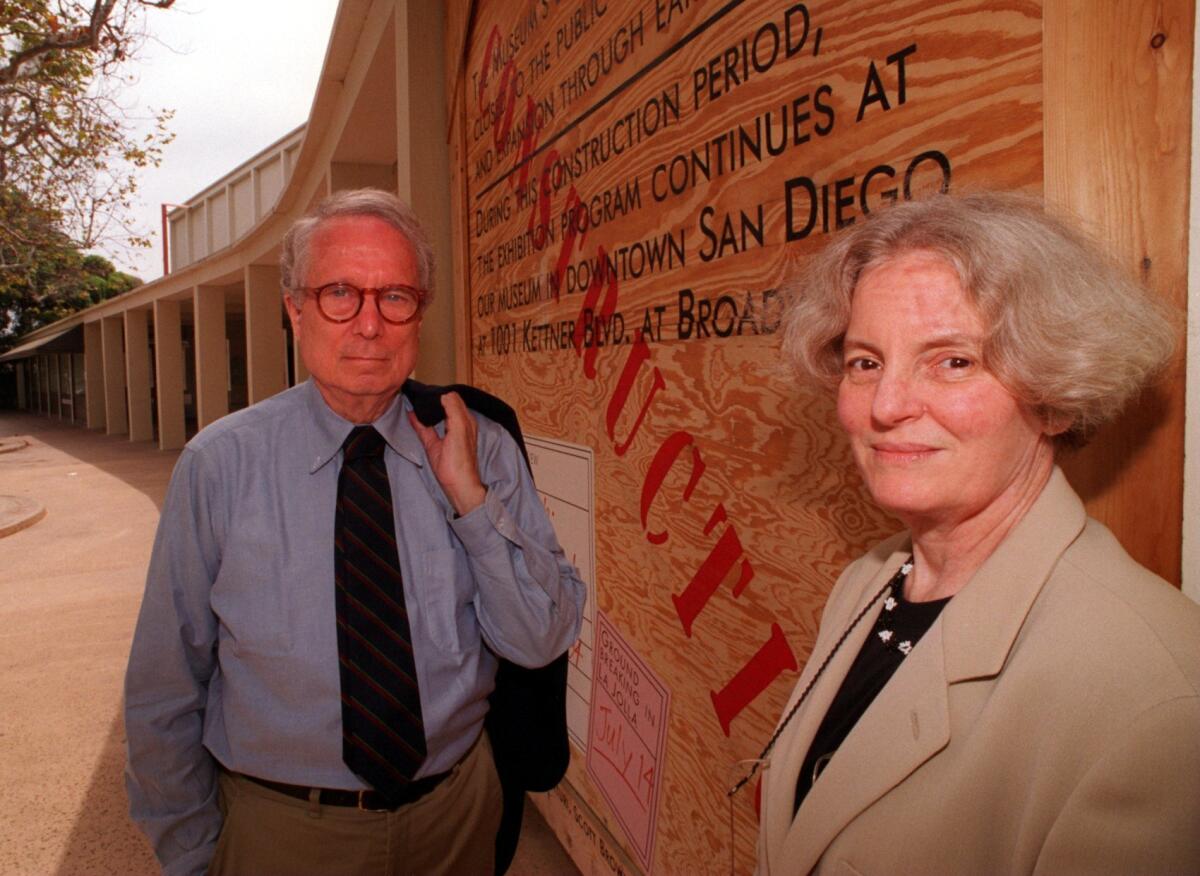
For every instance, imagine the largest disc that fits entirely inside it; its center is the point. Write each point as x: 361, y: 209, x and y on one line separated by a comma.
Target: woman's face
x: 937, y: 437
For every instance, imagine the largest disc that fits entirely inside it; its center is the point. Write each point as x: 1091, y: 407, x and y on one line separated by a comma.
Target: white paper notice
x: 563, y: 474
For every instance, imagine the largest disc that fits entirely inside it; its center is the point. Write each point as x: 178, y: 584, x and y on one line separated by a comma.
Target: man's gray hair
x: 377, y: 203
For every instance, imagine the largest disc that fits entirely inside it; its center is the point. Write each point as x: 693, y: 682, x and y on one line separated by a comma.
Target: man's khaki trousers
x: 451, y: 830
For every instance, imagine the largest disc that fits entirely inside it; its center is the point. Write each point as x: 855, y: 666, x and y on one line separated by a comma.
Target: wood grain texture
x: 463, y: 360
x: 773, y: 458
x: 1118, y: 127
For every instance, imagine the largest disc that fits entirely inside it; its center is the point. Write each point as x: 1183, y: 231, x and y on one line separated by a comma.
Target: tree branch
x: 76, y: 38
x: 87, y: 36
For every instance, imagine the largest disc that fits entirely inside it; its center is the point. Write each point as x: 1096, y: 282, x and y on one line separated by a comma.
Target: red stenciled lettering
x: 639, y: 352
x: 773, y: 658
x: 506, y: 104
x: 599, y: 304
x: 572, y: 235
x: 663, y: 460
x: 493, y: 48
x: 712, y: 572
x: 529, y: 140
x: 539, y: 212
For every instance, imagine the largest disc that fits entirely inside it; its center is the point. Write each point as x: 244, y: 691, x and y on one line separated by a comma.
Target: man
x: 308, y: 684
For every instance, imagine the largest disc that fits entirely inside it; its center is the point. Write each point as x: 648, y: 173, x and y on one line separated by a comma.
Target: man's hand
x: 452, y: 457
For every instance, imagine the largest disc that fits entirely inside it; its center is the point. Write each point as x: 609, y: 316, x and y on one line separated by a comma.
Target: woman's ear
x: 1054, y: 425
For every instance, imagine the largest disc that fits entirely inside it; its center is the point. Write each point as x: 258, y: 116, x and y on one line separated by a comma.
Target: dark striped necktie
x: 383, y: 738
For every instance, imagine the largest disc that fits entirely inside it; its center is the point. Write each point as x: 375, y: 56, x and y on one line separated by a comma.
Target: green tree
x: 57, y: 282
x: 69, y: 152
x: 66, y: 142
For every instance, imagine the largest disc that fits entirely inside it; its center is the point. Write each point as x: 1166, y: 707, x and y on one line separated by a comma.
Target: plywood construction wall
x: 634, y: 179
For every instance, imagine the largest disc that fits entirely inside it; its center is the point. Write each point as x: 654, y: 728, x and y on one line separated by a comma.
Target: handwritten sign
x: 627, y: 735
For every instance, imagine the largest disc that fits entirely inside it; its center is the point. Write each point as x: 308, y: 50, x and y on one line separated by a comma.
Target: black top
x: 897, y: 630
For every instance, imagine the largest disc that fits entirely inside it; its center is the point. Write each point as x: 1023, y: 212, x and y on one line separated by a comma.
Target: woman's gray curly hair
x: 293, y: 260
x: 1069, y: 334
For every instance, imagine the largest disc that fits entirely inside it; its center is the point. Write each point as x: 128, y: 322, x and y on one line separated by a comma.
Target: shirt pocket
x: 253, y: 599
x: 448, y: 600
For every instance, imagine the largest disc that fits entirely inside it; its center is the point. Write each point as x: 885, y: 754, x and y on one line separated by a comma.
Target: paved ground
x: 70, y: 587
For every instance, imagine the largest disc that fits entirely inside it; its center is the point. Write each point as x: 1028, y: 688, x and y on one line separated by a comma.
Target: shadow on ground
x: 103, y: 839
x: 138, y: 463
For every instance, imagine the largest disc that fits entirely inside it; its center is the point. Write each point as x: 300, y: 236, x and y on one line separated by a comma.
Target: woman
x: 1000, y: 688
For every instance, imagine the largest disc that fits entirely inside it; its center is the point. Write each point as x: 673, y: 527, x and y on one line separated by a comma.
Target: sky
x: 239, y: 74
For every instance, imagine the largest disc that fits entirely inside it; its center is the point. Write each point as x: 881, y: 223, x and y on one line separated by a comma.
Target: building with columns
x: 211, y: 336
x: 708, y: 501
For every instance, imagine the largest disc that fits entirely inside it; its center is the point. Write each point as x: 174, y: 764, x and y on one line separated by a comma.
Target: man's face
x: 358, y: 365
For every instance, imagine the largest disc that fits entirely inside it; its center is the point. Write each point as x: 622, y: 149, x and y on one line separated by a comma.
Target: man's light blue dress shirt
x: 235, y: 657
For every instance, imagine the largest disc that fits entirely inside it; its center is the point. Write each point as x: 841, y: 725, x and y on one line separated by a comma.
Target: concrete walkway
x: 70, y: 587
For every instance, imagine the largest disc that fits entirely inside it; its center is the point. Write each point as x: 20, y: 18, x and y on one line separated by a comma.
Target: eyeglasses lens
x: 342, y: 301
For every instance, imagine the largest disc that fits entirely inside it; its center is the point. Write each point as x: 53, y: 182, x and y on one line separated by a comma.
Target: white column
x: 137, y: 374
x: 67, y: 361
x: 66, y: 388
x: 70, y: 362
x: 48, y: 381
x: 168, y: 366
x: 266, y: 344
x: 22, y: 399
x: 93, y: 374
x: 422, y: 166
x: 56, y: 382
x: 115, y: 411
x: 39, y: 377
x: 212, y: 355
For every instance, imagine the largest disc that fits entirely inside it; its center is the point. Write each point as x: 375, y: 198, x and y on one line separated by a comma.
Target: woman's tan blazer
x: 1048, y: 722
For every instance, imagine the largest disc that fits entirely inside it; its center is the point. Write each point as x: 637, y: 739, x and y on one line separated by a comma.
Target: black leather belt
x: 370, y: 801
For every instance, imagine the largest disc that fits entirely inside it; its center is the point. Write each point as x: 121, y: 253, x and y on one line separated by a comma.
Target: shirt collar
x: 328, y: 431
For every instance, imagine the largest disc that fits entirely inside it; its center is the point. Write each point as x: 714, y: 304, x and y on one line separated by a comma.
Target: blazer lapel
x: 791, y: 748
x: 909, y: 722
x: 982, y: 622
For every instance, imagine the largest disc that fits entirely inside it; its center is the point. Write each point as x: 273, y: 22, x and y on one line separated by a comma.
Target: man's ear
x: 293, y: 313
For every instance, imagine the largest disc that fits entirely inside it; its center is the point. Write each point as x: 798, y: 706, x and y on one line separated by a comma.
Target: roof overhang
x: 67, y: 340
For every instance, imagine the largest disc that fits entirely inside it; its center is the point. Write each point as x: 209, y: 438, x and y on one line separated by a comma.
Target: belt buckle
x: 362, y: 805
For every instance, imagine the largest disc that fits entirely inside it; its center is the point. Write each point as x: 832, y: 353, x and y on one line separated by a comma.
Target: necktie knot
x: 362, y: 442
